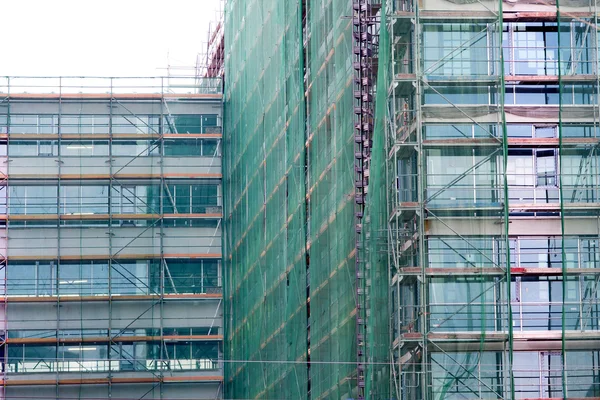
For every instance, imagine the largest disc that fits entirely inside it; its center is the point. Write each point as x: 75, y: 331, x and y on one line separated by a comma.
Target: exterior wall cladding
x: 471, y: 269
x: 111, y: 240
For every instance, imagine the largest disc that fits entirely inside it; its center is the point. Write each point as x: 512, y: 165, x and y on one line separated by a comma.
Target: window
x: 134, y: 148
x: 211, y: 148
x: 32, y: 200
x: 46, y: 148
x: 83, y: 278
x: 541, y: 252
x: 185, y: 199
x: 193, y: 147
x: 532, y: 176
x: 33, y: 148
x: 31, y: 278
x: 81, y: 200
x: 33, y: 124
x: 77, y: 124
x: 577, y: 130
x: 550, y: 94
x: 538, y: 374
x: 460, y: 176
x: 532, y: 48
x: 459, y: 94
x: 187, y: 276
x: 141, y: 199
x: 545, y: 131
x: 459, y: 376
x: 138, y: 124
x: 460, y: 131
x: 130, y: 277
x: 471, y: 252
x: 456, y: 49
x: 3, y: 124
x: 450, y: 299
x: 83, y: 148
x: 183, y: 124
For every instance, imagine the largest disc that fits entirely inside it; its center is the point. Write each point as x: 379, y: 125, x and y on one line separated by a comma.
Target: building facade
x: 412, y: 203
x: 493, y: 208
x: 111, y: 203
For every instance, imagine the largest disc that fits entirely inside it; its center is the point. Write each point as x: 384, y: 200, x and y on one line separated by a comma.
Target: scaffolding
x: 412, y: 199
x: 302, y: 287
x: 491, y: 143
x: 211, y: 62
x: 265, y: 159
x: 111, y: 244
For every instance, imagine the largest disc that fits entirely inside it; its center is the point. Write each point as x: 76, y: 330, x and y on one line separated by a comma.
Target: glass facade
x: 111, y: 244
x: 492, y: 170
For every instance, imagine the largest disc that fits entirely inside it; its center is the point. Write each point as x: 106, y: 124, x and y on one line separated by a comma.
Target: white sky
x: 102, y: 37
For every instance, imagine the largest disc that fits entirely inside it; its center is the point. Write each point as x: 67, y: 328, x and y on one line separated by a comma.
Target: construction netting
x: 265, y: 186
x: 290, y: 205
x: 331, y: 203
x: 378, y: 338
x: 482, y: 203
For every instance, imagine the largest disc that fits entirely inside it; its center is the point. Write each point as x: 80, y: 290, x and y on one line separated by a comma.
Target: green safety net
x: 265, y: 266
x: 447, y: 209
x: 375, y: 236
x: 290, y: 267
x: 331, y: 203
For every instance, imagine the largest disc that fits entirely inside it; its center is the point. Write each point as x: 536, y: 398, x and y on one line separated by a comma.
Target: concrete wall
x: 171, y: 391
x: 122, y: 314
x: 144, y: 166
x: 122, y: 107
x: 44, y: 242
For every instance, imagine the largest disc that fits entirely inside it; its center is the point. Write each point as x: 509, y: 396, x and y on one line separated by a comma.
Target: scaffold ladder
x: 364, y: 64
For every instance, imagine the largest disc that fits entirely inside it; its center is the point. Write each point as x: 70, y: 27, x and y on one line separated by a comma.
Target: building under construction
x: 110, y: 238
x: 412, y: 199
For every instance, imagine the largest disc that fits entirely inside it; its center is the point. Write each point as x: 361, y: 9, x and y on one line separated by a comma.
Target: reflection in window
x: 83, y: 279
x: 33, y: 148
x: 82, y: 200
x: 459, y: 376
x: 124, y: 356
x: 83, y: 148
x: 532, y: 175
x: 183, y: 124
x: 33, y: 124
x: 538, y: 374
x: 457, y: 49
x: 532, y: 48
x: 135, y: 148
x: 459, y: 94
x: 33, y: 200
x: 71, y: 124
x: 34, y: 278
x: 187, y: 276
x: 185, y: 199
x: 549, y: 94
x: 192, y: 147
x: 462, y: 177
x: 463, y: 304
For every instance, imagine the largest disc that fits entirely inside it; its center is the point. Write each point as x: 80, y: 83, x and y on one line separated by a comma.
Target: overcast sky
x: 101, y: 38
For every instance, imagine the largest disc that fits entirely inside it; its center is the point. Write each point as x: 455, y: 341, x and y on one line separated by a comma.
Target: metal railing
x: 109, y: 85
